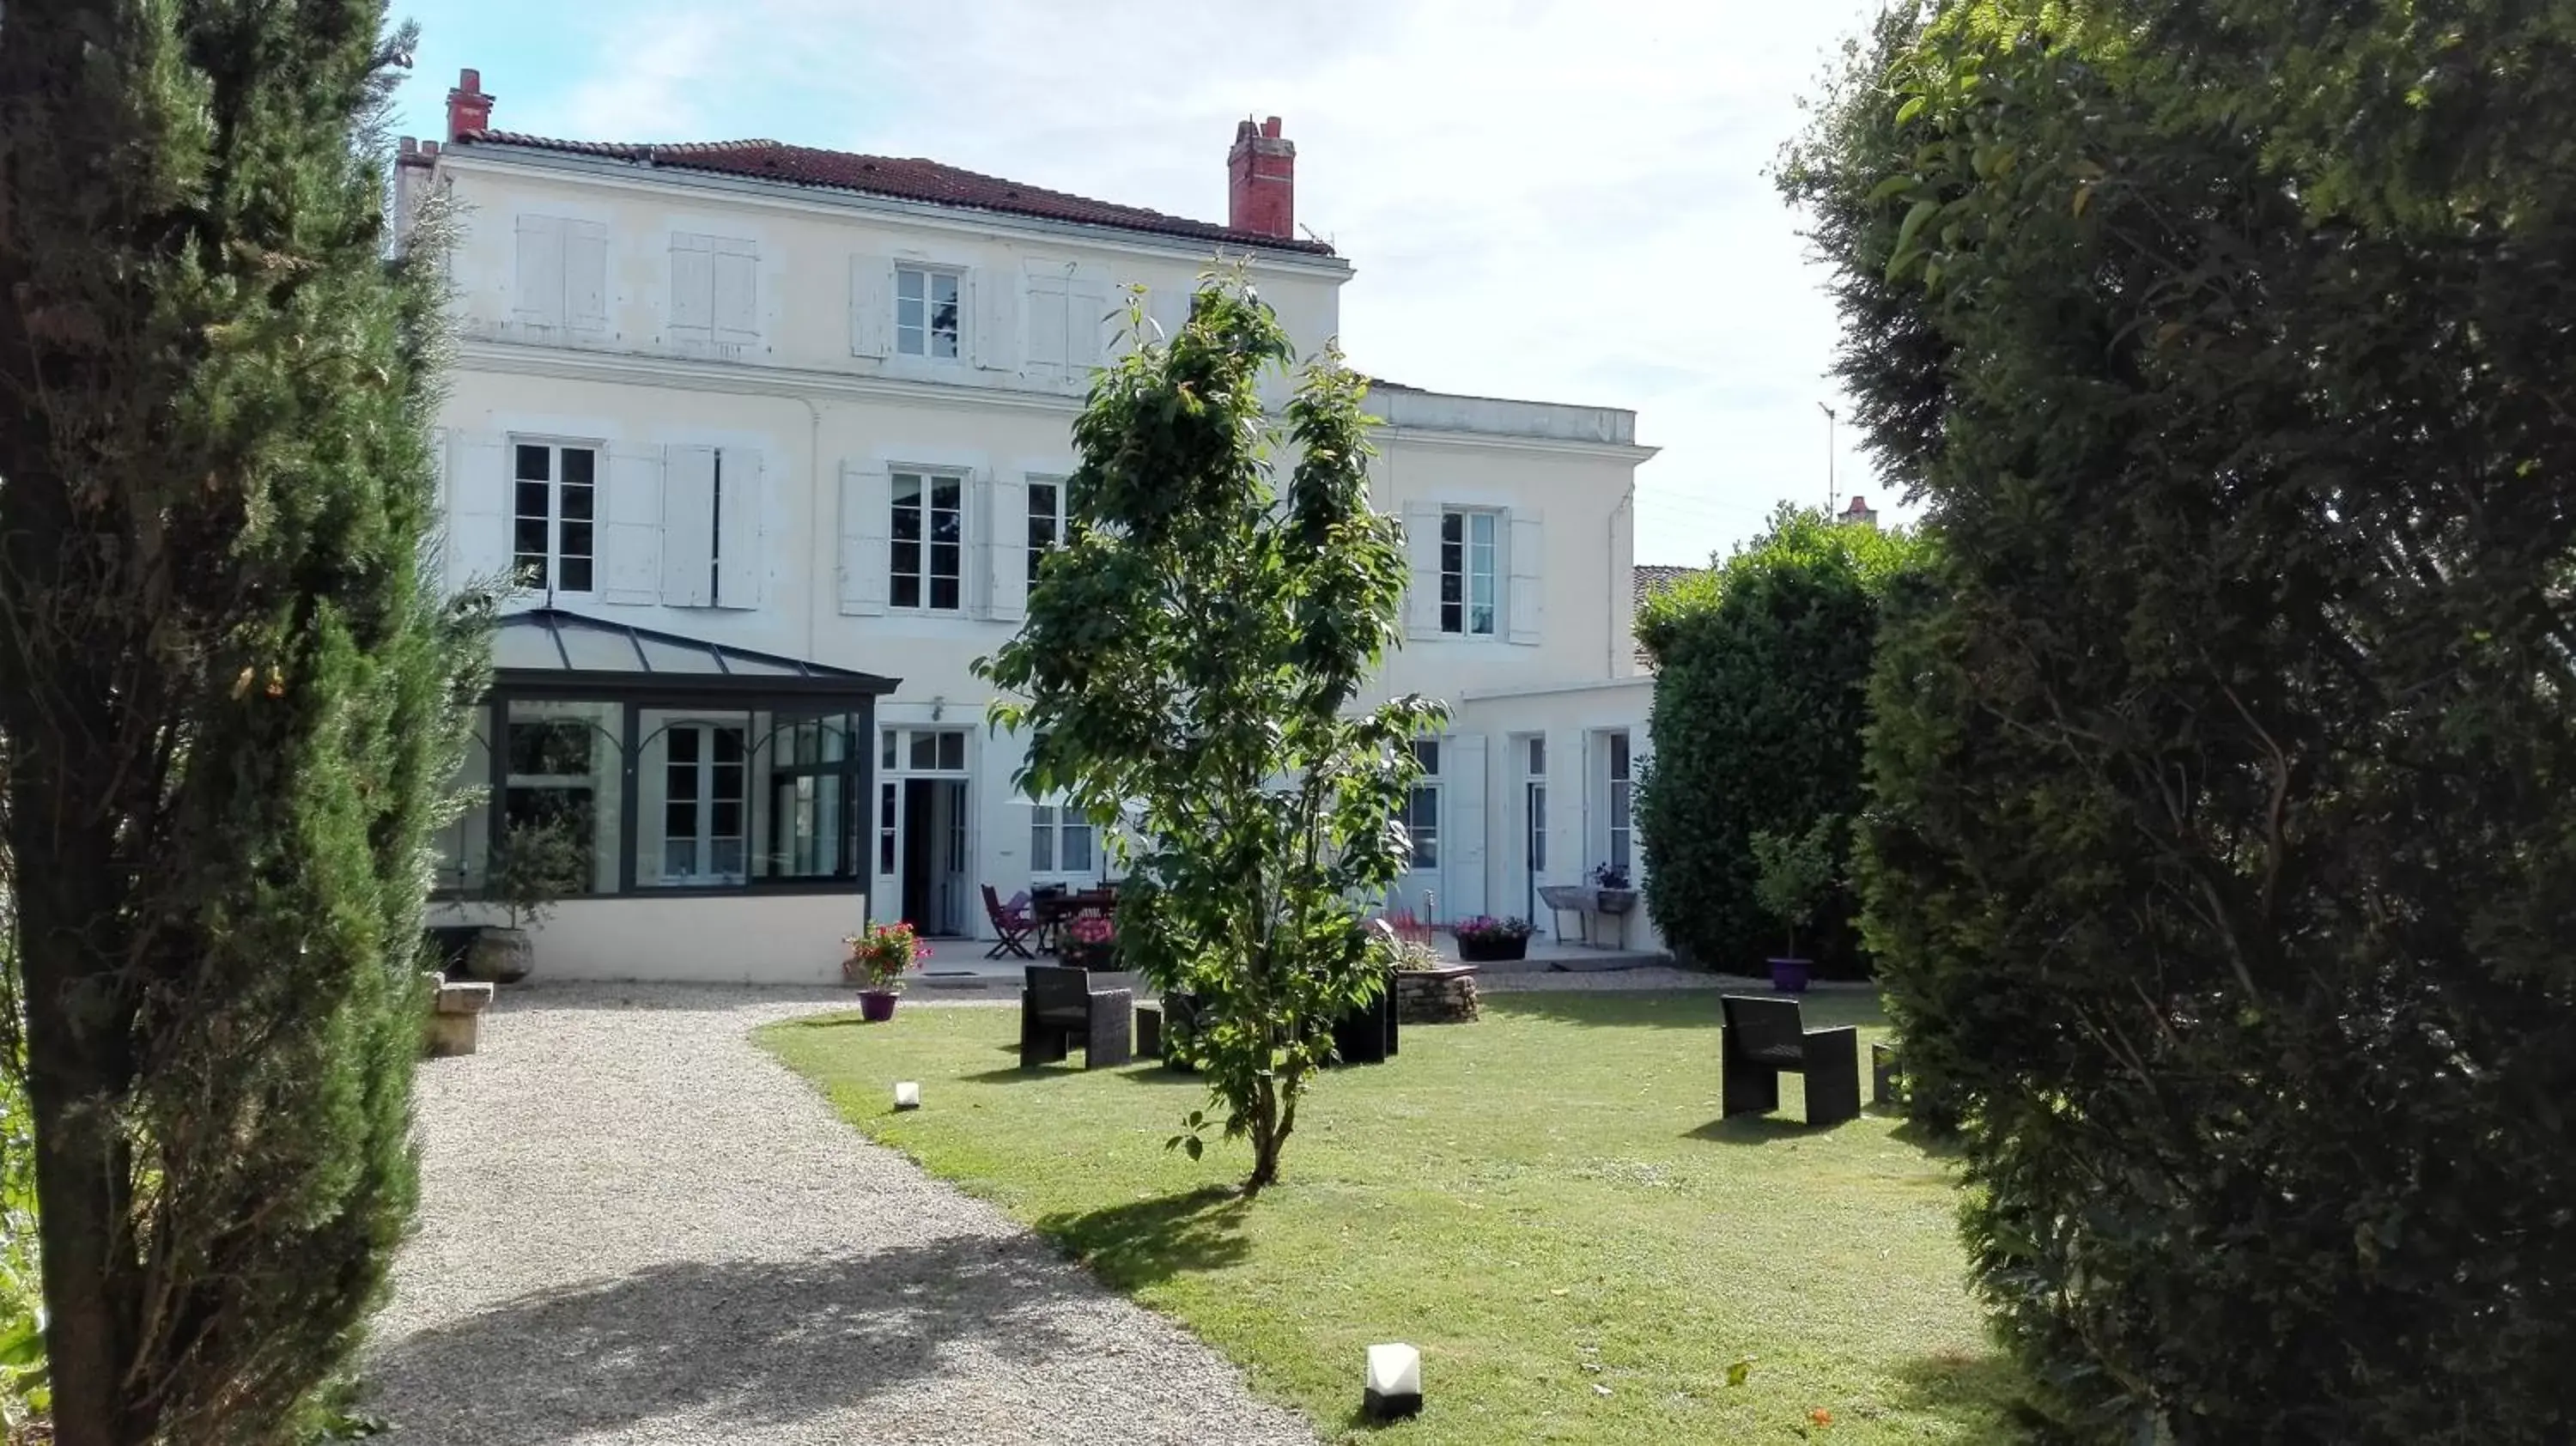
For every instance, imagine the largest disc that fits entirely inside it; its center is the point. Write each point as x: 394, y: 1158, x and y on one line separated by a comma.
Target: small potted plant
x: 879, y: 958
x: 536, y: 865
x: 1485, y: 939
x: 1612, y: 893
x: 1792, y: 874
x: 1091, y: 942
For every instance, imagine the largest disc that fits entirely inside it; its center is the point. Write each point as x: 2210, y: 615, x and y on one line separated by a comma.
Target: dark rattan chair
x: 1059, y: 1008
x: 1765, y: 1038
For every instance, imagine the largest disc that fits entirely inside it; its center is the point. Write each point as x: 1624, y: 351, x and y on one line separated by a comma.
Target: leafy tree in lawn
x: 1762, y: 669
x: 2223, y: 869
x: 1191, y: 667
x: 229, y: 700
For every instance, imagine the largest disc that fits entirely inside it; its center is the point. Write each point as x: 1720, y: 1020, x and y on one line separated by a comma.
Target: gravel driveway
x: 637, y: 1228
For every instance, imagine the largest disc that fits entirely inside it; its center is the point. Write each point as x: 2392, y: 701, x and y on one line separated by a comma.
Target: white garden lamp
x: 1394, y: 1383
x: 907, y: 1094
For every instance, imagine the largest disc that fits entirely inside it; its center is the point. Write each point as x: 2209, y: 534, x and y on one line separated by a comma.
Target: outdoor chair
x: 1060, y: 1008
x: 1012, y: 924
x: 1762, y: 1038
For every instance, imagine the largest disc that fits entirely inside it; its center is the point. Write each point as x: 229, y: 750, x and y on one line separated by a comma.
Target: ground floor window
x: 1422, y: 809
x: 1060, y: 842
x: 1622, y: 795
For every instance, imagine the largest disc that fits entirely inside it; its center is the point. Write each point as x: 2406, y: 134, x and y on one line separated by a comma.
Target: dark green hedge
x: 1760, y: 703
x: 2223, y: 865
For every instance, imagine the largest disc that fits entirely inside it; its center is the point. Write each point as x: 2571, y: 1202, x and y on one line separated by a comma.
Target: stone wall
x: 1436, y: 996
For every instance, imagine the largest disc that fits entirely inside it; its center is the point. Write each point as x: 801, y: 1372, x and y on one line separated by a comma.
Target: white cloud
x: 1548, y: 198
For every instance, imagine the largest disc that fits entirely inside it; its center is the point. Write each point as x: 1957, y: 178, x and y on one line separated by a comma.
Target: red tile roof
x: 903, y: 179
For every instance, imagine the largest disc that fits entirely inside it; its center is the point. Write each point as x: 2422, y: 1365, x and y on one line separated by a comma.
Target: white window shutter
x: 478, y: 508
x: 996, y: 315
x: 1525, y: 594
x: 585, y: 270
x: 742, y: 543
x: 1422, y: 555
x: 688, y: 526
x: 538, y: 294
x: 975, y: 557
x: 1462, y: 838
x: 871, y: 288
x: 1087, y: 327
x: 736, y: 293
x: 1047, y: 325
x: 630, y: 560
x: 1169, y: 307
x: 693, y: 289
x: 867, y: 527
x: 1006, y: 550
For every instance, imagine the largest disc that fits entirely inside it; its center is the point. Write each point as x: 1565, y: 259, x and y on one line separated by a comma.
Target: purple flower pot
x: 876, y: 1006
x: 1789, y: 976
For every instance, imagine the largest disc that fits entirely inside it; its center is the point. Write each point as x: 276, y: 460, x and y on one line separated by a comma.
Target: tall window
x: 1422, y: 810
x: 702, y: 812
x: 1047, y: 523
x: 1621, y: 832
x: 1467, y: 587
x: 925, y: 312
x: 1059, y: 840
x: 929, y: 533
x: 550, y: 532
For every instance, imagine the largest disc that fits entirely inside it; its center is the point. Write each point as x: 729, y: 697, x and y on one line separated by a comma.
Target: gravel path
x: 637, y: 1228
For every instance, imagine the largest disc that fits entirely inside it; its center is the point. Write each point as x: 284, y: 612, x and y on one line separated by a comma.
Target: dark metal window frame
x: 784, y: 688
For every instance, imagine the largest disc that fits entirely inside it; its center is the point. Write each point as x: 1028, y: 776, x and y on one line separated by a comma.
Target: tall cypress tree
x: 229, y: 698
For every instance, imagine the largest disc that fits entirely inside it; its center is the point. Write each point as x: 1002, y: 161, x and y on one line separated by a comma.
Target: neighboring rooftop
x: 1260, y: 176
x: 1646, y: 579
x: 1402, y: 406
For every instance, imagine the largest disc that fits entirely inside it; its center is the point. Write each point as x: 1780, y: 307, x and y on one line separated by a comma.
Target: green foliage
x: 230, y: 698
x: 25, y: 1393
x: 2224, y: 863
x: 1187, y: 666
x: 1760, y: 703
x: 1792, y: 873
x: 537, y: 864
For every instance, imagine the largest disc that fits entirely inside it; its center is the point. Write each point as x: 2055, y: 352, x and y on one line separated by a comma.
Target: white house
x: 774, y: 437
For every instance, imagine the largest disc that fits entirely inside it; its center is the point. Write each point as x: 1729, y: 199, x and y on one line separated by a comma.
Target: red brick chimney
x: 468, y: 108
x: 1261, y: 181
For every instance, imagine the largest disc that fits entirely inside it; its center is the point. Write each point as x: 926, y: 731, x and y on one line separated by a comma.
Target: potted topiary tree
x: 1792, y: 873
x: 1485, y: 939
x: 537, y: 863
x: 878, y: 961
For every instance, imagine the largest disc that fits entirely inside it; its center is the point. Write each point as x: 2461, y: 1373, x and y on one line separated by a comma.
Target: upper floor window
x: 562, y: 280
x: 926, y: 312
x: 1467, y: 584
x: 555, y: 491
x: 1422, y: 809
x: 714, y: 290
x: 928, y: 532
x: 1047, y: 522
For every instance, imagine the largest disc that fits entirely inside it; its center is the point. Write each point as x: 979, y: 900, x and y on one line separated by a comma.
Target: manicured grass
x: 1545, y: 1202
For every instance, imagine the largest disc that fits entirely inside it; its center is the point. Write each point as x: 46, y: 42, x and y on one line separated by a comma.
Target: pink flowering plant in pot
x: 1484, y: 938
x: 1091, y: 942
x: 879, y: 958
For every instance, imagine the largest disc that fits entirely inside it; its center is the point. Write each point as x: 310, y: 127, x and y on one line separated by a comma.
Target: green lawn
x: 1545, y: 1202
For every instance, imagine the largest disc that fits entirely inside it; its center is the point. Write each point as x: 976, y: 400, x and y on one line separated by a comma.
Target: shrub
x: 2224, y: 858
x: 1793, y: 873
x: 1762, y: 668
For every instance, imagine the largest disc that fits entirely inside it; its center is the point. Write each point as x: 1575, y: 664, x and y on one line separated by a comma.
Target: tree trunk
x: 79, y: 1067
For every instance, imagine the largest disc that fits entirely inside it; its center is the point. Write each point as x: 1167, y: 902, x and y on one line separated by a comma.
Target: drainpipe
x: 1619, y: 607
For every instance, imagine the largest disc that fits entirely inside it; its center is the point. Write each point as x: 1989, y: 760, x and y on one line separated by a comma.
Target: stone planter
x: 1613, y: 901
x: 1489, y: 949
x: 1436, y: 996
x: 455, y: 1016
x: 501, y: 956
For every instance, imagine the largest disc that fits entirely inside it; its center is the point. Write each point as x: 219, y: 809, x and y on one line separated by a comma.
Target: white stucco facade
x: 711, y: 406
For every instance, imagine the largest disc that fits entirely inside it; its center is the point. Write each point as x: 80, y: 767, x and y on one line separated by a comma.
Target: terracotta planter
x: 1789, y: 976
x: 876, y: 1006
x: 1474, y: 949
x: 500, y: 956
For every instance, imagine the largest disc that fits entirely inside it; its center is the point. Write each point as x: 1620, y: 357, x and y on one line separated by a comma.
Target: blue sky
x: 1562, y: 201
